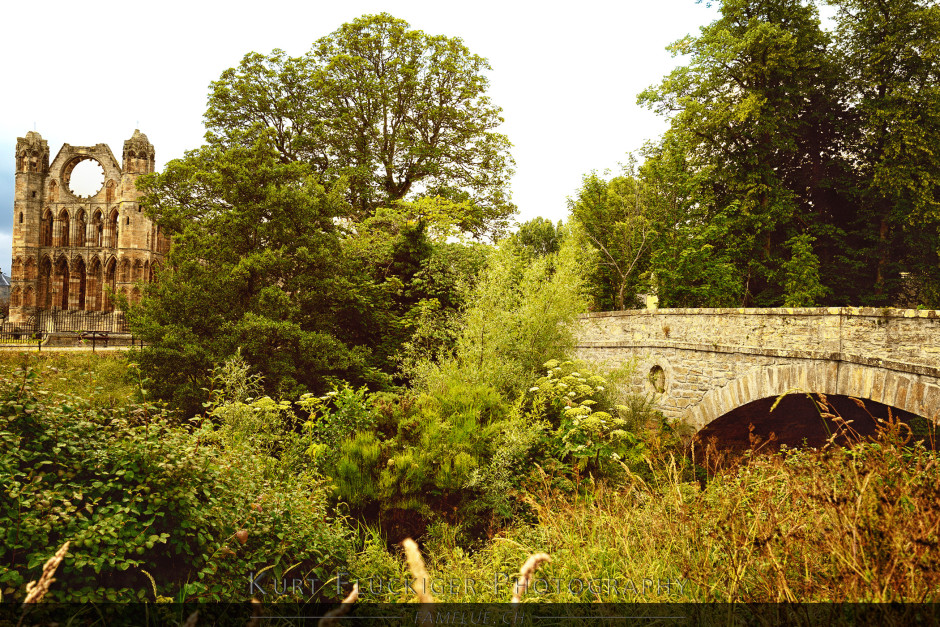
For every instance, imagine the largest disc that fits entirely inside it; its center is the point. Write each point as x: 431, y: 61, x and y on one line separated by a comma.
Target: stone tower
x: 71, y: 251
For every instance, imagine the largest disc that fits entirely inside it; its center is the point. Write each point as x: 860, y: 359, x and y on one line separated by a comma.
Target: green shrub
x: 409, y: 455
x: 134, y: 493
x: 499, y: 483
x: 802, y: 282
x: 333, y: 418
x: 459, y: 453
x: 591, y: 430
x: 521, y: 312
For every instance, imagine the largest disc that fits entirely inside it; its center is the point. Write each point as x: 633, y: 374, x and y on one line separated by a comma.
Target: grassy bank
x: 844, y: 525
x: 102, y: 378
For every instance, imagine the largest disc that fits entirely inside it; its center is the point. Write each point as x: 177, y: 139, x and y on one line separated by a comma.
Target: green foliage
x: 750, y: 105
x: 779, y: 129
x: 695, y: 266
x: 397, y: 113
x: 893, y: 61
x: 802, y: 270
x: 333, y: 418
x: 437, y: 444
x: 131, y: 492
x: 499, y: 483
x: 103, y: 378
x: 455, y: 449
x: 419, y: 283
x: 315, y: 220
x: 540, y: 236
x: 460, y: 453
x: 615, y: 220
x: 520, y: 314
x: 822, y: 526
x: 590, y: 431
x: 256, y: 264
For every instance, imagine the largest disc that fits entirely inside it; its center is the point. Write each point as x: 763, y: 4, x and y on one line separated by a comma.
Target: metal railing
x: 88, y: 328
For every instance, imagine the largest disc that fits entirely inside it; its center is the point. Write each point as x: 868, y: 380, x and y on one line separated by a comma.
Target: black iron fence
x: 14, y: 335
x: 67, y: 328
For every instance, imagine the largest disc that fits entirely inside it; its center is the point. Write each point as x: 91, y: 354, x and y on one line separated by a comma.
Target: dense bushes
x: 850, y: 525
x: 458, y: 452
x: 413, y: 457
x: 132, y: 493
x: 462, y: 444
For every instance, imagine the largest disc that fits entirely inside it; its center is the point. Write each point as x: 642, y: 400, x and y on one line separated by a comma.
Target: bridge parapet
x: 705, y: 362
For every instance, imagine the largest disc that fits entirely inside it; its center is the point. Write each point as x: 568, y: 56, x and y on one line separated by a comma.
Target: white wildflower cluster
x: 583, y: 429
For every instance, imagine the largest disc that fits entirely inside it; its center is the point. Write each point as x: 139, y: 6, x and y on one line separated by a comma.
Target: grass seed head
x: 36, y: 590
x: 525, y: 575
x: 418, y: 571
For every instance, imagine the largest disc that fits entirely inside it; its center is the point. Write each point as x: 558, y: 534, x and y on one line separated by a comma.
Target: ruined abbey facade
x: 70, y: 252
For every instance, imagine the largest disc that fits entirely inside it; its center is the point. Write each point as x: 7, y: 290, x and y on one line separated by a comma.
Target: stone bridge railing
x: 706, y: 362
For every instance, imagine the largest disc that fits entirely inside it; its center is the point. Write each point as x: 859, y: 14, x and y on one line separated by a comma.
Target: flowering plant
x: 589, y: 427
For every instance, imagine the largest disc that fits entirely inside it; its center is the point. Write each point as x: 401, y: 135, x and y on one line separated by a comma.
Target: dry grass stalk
x: 525, y: 575
x: 418, y: 571
x: 36, y: 590
x: 332, y: 617
x: 192, y: 620
x: 256, y: 614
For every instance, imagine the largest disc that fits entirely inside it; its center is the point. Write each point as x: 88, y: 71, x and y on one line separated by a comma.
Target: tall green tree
x: 520, y: 314
x: 614, y: 219
x: 756, y: 115
x: 399, y: 113
x: 540, y: 236
x: 420, y: 281
x: 802, y: 272
x: 891, y: 50
x: 256, y: 264
x: 780, y: 129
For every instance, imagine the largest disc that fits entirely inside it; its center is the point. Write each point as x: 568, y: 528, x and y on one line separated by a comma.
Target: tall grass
x: 857, y: 524
x: 838, y: 524
x: 104, y: 379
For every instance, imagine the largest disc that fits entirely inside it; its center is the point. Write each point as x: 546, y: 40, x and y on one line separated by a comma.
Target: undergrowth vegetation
x: 481, y: 482
x: 103, y: 379
x: 153, y: 510
x: 858, y: 524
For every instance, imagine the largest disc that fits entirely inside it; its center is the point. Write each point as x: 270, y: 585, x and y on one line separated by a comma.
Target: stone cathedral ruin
x: 72, y: 252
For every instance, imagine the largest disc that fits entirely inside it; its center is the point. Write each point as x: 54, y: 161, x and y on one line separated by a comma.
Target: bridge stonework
x: 703, y: 363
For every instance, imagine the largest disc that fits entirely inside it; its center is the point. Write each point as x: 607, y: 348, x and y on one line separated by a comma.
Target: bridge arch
x: 904, y: 391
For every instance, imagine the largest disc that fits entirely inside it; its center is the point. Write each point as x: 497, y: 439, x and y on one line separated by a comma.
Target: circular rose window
x: 84, y: 177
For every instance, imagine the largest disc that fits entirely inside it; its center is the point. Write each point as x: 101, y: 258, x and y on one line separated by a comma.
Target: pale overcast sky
x: 566, y: 74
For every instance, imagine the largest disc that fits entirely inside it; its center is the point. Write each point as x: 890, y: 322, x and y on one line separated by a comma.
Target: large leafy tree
x: 782, y: 133
x: 398, y: 113
x: 614, y: 220
x: 891, y: 49
x: 756, y: 112
x: 261, y: 263
x: 313, y: 230
x: 256, y: 265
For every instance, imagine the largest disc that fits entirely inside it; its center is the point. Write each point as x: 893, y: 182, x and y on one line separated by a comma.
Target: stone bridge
x: 704, y: 363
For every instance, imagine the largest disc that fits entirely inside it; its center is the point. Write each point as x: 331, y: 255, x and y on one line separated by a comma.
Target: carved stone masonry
x: 70, y: 251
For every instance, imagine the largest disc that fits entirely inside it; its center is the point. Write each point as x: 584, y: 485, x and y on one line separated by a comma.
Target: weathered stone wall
x: 714, y: 360
x: 71, y: 252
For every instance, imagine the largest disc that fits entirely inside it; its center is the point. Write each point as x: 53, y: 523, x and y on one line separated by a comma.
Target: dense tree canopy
x: 314, y: 232
x: 399, y: 113
x: 256, y: 263
x: 262, y: 263
x: 614, y: 220
x: 788, y: 142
